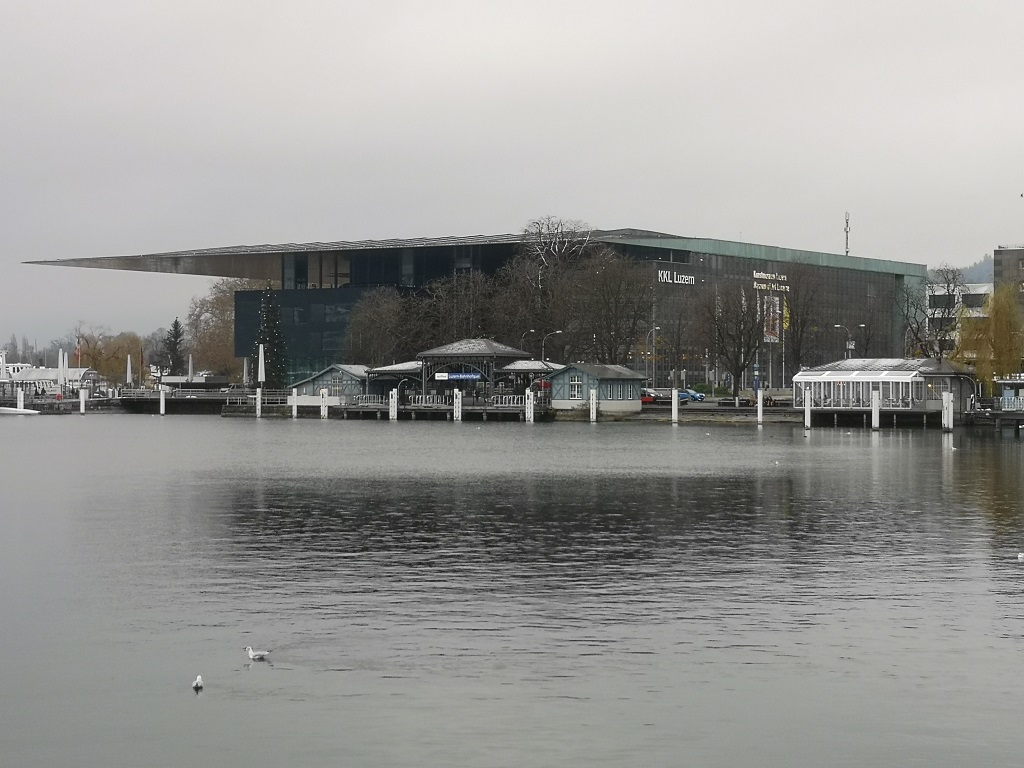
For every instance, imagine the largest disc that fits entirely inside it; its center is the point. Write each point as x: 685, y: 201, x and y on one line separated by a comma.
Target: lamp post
x: 542, y: 341
x: 522, y: 339
x: 849, y: 338
x: 650, y: 351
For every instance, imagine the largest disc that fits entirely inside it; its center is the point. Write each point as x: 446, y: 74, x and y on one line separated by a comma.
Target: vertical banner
x: 772, y: 319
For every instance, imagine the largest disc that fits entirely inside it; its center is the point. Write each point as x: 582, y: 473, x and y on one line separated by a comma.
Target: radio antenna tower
x: 847, y: 233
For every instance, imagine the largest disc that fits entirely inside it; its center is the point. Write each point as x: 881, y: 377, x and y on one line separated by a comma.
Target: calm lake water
x: 442, y: 594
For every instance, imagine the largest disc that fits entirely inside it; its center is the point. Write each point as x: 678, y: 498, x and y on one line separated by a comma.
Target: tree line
x: 561, y: 295
x: 207, y: 334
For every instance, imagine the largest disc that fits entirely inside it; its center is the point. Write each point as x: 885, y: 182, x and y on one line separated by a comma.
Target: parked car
x: 691, y: 394
x: 660, y: 396
x: 648, y: 397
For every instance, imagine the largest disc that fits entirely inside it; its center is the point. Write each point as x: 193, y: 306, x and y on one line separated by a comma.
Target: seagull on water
x: 256, y: 655
x: 197, y: 686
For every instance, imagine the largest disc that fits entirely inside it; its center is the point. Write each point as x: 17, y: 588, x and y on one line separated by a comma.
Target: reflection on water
x: 519, y: 595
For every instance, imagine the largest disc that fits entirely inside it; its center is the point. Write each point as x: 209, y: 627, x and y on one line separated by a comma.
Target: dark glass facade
x: 320, y: 290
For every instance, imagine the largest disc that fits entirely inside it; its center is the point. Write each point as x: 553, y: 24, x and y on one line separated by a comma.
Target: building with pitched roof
x: 617, y: 388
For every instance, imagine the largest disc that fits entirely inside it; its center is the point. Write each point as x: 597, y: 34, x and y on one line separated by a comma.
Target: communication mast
x: 847, y: 233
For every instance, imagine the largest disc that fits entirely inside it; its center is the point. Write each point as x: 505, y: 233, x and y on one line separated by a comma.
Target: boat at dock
x: 4, y: 411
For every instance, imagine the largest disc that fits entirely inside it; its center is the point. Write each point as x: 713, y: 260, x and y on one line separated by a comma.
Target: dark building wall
x: 1008, y: 266
x: 847, y: 297
x: 314, y: 323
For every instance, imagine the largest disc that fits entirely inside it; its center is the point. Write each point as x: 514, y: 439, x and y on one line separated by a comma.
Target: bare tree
x: 611, y: 306
x: 930, y: 312
x: 535, y: 290
x: 731, y: 322
x: 804, y: 313
x: 383, y: 328
x: 456, y: 307
x: 11, y: 348
x: 676, y: 333
x: 210, y: 325
x: 875, y: 335
x: 552, y: 242
x: 945, y: 298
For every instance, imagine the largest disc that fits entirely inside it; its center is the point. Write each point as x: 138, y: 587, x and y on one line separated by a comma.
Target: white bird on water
x: 197, y: 686
x: 256, y: 655
x: 1020, y: 557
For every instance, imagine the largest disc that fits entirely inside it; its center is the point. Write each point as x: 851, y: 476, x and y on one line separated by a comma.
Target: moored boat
x: 4, y: 411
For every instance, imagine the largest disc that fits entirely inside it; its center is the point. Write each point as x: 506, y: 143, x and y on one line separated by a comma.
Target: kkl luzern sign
x: 671, y: 276
x: 770, y: 281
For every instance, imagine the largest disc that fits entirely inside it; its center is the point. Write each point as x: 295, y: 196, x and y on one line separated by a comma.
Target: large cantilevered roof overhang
x: 263, y: 262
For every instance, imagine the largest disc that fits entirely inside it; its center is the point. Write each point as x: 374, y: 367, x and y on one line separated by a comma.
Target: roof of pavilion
x: 532, y: 366
x: 410, y: 366
x: 600, y: 371
x: 355, y: 371
x: 881, y: 368
x: 473, y: 348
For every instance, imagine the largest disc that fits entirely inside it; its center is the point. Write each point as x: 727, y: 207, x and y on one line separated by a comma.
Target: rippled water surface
x: 507, y: 594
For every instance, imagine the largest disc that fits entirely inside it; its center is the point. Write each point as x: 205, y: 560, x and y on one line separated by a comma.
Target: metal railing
x: 371, y: 400
x: 1011, y: 404
x: 430, y: 400
x: 842, y: 403
x: 268, y: 397
x: 508, y: 401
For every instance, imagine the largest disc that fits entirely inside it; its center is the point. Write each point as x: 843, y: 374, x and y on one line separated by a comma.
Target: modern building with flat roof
x: 1008, y: 265
x: 321, y: 283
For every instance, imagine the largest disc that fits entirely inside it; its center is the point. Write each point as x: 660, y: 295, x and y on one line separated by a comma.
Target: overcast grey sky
x: 142, y: 127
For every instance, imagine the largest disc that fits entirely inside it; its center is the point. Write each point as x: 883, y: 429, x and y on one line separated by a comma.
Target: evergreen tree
x: 275, y: 355
x: 174, y: 348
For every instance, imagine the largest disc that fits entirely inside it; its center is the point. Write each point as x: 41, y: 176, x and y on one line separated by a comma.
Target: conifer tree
x: 174, y: 348
x: 275, y: 355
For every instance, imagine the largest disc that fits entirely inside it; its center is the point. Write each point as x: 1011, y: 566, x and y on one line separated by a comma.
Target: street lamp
x: 650, y: 352
x: 849, y: 338
x: 522, y: 339
x: 542, y: 343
